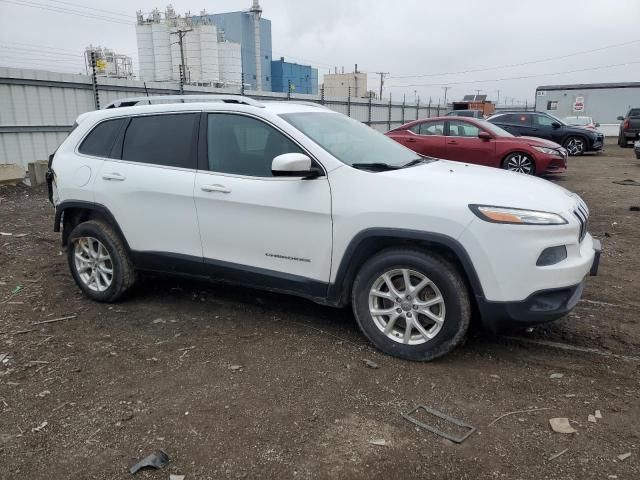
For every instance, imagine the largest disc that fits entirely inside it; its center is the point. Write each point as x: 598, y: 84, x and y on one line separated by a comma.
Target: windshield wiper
x: 412, y: 163
x: 375, y: 166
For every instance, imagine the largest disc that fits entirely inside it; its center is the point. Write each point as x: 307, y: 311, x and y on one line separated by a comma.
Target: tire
x: 519, y: 162
x: 622, y: 142
x: 575, y: 145
x: 453, y: 311
x: 90, y: 241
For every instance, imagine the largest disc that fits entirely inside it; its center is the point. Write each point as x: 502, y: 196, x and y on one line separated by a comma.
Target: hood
x: 583, y: 130
x: 457, y: 182
x: 538, y: 142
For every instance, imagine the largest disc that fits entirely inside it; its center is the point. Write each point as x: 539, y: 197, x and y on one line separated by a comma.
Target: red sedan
x: 477, y: 141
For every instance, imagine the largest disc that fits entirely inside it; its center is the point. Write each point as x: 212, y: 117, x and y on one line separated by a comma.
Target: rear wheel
x: 519, y: 162
x: 411, y: 304
x: 99, y: 262
x: 575, y: 146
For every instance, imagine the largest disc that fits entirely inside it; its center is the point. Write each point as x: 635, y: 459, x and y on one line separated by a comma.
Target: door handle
x: 215, y: 188
x: 452, y: 142
x: 411, y: 140
x: 113, y: 176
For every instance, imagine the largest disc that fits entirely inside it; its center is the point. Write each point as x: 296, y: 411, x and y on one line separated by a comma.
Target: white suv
x: 295, y: 198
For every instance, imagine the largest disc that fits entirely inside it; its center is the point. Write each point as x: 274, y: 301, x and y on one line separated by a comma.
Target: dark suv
x: 577, y: 140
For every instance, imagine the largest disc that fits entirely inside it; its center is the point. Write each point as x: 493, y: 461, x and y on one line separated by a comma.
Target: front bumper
x: 597, y: 146
x: 540, y: 307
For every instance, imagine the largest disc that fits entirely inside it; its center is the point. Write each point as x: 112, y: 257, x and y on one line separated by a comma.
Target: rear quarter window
x: 101, y: 139
x: 634, y: 112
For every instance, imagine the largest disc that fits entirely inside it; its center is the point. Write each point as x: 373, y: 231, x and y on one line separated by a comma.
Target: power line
x: 26, y: 3
x: 511, y: 65
x: 516, y: 78
x: 113, y: 12
x: 33, y: 51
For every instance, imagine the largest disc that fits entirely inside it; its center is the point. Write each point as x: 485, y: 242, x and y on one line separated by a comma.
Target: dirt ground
x: 88, y: 396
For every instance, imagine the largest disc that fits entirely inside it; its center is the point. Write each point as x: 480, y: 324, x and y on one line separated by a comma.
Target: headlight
x: 516, y: 216
x: 548, y: 151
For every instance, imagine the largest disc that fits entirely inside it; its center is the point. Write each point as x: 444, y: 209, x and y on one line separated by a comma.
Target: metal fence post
x: 404, y: 101
x: 438, y: 110
x: 348, y: 101
x: 289, y: 91
x: 370, y: 107
x: 429, y: 109
x: 390, y: 106
x: 322, y: 95
x: 418, y: 109
x: 94, y: 81
x: 181, y: 85
x: 242, y: 84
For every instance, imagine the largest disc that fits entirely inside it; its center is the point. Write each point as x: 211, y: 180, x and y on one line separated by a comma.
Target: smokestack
x: 256, y: 12
x: 356, y: 69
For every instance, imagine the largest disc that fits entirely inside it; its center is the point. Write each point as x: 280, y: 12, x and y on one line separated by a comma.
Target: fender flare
x: 357, y: 251
x: 93, y: 207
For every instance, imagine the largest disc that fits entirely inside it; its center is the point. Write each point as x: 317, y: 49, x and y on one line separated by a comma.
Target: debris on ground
x: 624, y: 456
x: 553, y: 457
x: 592, y: 419
x: 371, y: 364
x: 598, y: 415
x: 40, y: 427
x: 156, y: 460
x: 457, y: 439
x: 561, y: 425
x: 627, y: 181
x: 176, y: 477
x: 68, y: 317
x: 493, y: 375
x: 518, y: 411
x: 556, y: 375
x: 381, y: 442
x: 235, y: 368
x: 634, y: 209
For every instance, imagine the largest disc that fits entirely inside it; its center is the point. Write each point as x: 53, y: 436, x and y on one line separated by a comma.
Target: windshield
x: 556, y: 119
x: 580, y: 121
x: 348, y: 140
x: 496, y: 130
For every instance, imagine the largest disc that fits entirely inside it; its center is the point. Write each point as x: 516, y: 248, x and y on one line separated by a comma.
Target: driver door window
x: 242, y: 145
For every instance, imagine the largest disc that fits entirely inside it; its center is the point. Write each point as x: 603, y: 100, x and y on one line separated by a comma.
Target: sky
x: 424, y: 45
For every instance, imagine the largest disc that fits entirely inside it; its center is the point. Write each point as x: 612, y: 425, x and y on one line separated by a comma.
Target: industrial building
x: 108, y: 63
x: 253, y: 33
x: 292, y: 77
x: 166, y: 42
x: 343, y: 85
x: 602, y: 101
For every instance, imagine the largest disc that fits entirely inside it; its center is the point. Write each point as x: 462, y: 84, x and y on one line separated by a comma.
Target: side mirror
x: 485, y: 136
x: 556, y: 125
x: 621, y: 118
x: 293, y: 165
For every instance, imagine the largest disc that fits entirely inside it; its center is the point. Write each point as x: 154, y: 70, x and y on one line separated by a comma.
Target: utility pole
x: 181, y: 34
x: 446, y: 89
x: 382, y: 74
x: 477, y: 94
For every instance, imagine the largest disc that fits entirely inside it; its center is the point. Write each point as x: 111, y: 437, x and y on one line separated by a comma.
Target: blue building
x: 303, y: 78
x: 239, y: 27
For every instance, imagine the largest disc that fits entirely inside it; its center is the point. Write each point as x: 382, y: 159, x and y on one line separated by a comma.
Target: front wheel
x: 575, y: 146
x: 519, y: 162
x: 411, y: 304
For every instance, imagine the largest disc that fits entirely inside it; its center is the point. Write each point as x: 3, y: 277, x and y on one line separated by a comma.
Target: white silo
x: 209, y: 53
x: 161, y: 51
x: 230, y: 59
x: 146, y: 57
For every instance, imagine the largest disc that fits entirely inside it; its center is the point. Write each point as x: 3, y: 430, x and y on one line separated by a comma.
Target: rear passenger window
x: 167, y: 140
x: 101, y: 139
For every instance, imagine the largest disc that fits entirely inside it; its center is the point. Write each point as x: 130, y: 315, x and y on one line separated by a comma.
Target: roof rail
x: 160, y: 99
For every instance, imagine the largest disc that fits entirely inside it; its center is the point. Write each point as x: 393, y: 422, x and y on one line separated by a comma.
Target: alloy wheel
x: 406, y: 306
x: 93, y: 263
x: 575, y: 146
x: 521, y: 163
